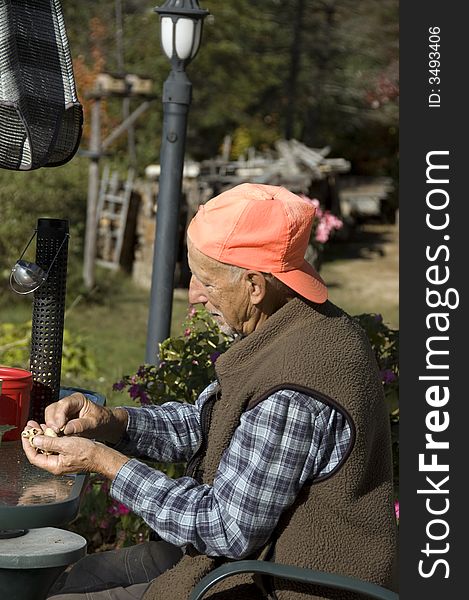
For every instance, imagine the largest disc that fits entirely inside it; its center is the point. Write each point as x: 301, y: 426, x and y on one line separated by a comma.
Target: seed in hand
x: 32, y: 432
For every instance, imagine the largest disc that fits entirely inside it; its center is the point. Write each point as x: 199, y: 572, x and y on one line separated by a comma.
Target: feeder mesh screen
x: 40, y: 115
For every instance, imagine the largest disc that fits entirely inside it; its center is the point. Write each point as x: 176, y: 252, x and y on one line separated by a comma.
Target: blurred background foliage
x: 322, y: 71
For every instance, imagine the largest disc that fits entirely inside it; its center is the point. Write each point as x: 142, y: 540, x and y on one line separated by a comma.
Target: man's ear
x: 257, y: 286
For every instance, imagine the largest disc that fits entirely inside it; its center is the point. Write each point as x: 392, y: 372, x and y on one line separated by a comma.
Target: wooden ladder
x: 112, y: 210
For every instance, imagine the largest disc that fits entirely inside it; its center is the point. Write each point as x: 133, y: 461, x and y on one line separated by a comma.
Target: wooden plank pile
x: 292, y: 164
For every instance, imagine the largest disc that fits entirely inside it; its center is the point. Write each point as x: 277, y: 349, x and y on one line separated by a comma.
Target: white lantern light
x: 181, y: 29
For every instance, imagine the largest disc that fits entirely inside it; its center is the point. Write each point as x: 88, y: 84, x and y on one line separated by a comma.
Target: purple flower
x: 388, y: 376
x: 214, y: 356
x: 118, y: 386
x: 144, y: 398
x: 134, y: 391
x: 141, y: 371
x: 378, y: 318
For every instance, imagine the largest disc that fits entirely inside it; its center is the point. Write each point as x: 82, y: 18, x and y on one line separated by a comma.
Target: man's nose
x: 196, y: 292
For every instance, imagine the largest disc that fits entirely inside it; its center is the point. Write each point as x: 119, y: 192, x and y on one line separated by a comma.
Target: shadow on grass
x: 365, y: 242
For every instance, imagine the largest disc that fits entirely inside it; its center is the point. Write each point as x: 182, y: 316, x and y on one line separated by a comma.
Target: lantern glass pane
x: 184, y: 37
x: 198, y: 31
x: 167, y: 36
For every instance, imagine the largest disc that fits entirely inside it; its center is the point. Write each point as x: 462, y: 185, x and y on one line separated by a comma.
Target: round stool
x: 30, y: 564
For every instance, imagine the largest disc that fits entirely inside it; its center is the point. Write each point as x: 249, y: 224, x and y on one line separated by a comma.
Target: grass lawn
x: 114, y: 330
x: 361, y: 275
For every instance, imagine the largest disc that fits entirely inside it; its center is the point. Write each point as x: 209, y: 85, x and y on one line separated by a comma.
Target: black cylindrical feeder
x: 48, y: 315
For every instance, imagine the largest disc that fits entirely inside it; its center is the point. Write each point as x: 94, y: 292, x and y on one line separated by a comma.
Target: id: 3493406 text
x: 434, y: 57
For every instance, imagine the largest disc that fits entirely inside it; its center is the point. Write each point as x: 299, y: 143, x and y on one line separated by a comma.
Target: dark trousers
x: 118, y: 574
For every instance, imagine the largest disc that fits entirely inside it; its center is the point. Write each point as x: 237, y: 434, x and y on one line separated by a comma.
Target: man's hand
x: 74, y: 455
x: 76, y: 415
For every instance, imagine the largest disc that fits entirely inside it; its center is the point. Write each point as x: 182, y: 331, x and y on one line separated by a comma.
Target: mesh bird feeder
x: 48, y: 315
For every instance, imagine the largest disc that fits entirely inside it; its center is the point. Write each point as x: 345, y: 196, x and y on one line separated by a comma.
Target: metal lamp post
x: 181, y: 29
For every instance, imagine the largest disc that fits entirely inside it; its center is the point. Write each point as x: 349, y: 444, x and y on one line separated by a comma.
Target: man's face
x: 213, y: 286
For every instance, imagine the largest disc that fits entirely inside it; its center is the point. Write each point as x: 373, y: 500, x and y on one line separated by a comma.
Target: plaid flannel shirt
x: 282, y: 443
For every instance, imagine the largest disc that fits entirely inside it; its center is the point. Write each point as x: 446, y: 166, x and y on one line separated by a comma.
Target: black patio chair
x: 328, y: 580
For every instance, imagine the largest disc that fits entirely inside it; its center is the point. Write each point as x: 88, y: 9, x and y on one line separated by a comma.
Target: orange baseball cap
x: 261, y: 227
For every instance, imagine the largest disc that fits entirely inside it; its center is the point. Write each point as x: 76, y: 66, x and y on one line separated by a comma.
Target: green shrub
x: 385, y: 344
x: 26, y: 196
x: 104, y: 522
x: 15, y: 348
x: 187, y: 364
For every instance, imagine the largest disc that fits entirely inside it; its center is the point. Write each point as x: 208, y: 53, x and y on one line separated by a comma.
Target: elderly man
x: 288, y: 452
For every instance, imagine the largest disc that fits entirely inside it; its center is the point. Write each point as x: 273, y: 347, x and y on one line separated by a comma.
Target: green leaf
x: 4, y: 429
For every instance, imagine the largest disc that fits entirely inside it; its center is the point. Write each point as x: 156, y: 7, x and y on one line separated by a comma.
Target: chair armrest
x: 292, y: 573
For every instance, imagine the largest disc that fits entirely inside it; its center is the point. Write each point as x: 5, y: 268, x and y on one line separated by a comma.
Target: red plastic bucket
x: 15, y: 400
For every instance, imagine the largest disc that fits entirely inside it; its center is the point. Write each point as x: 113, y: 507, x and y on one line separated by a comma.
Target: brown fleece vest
x: 344, y: 522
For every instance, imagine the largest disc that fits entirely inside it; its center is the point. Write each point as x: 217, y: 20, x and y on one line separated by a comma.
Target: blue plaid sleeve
x: 285, y: 441
x: 167, y: 433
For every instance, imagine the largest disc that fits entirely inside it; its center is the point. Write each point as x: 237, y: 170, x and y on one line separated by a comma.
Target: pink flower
x: 187, y: 332
x: 332, y: 221
x: 396, y: 509
x: 118, y: 509
x: 122, y: 509
x: 322, y: 233
x: 325, y: 222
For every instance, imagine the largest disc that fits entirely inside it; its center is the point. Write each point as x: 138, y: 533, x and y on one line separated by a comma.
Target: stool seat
x: 42, y: 548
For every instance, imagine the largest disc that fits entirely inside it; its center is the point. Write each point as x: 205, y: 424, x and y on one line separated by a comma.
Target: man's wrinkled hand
x: 76, y: 415
x: 73, y: 454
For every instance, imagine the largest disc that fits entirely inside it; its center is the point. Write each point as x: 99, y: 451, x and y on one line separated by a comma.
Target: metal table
x: 33, y: 503
x: 31, y: 497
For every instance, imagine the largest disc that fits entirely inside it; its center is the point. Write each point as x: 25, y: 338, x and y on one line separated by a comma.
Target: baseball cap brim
x: 306, y: 281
